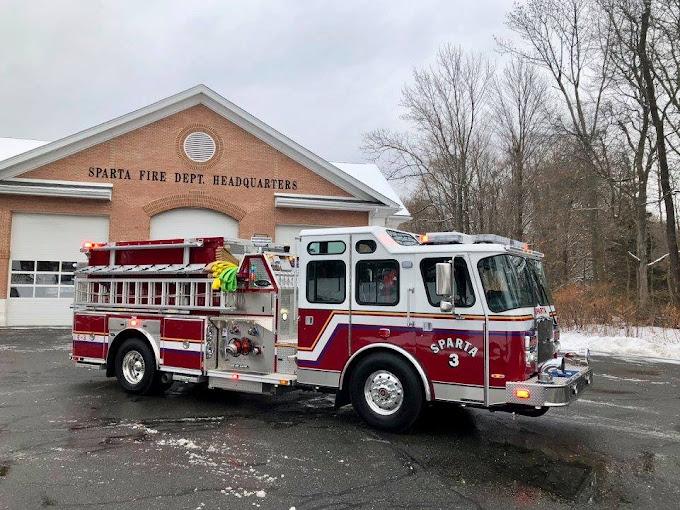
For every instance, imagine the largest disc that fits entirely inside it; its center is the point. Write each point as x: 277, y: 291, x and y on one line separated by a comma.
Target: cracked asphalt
x: 70, y: 438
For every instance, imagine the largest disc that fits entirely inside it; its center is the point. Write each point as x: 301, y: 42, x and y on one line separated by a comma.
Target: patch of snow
x: 260, y: 494
x: 147, y: 430
x: 660, y: 344
x: 628, y: 379
x: 186, y: 443
x: 370, y: 175
x: 23, y: 350
x: 619, y: 406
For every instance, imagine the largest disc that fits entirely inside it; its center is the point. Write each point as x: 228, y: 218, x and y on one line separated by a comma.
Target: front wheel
x: 387, y: 392
x: 136, y: 367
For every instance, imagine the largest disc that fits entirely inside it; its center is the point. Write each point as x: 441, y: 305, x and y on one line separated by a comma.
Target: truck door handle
x: 309, y: 320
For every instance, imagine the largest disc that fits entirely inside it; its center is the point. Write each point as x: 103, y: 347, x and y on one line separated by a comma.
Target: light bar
x: 446, y: 238
x: 496, y: 239
x: 511, y: 245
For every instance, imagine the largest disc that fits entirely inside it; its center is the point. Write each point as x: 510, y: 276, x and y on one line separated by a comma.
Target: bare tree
x: 630, y: 113
x: 520, y: 113
x: 657, y: 56
x: 647, y: 66
x: 563, y: 37
x: 445, y: 106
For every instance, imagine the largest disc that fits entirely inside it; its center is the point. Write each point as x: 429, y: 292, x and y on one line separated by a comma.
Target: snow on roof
x: 12, y: 146
x: 368, y: 173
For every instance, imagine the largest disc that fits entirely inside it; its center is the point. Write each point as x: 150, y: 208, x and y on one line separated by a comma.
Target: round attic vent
x: 199, y: 147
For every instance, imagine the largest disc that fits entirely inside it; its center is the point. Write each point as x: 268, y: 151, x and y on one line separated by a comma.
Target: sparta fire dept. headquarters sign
x: 122, y: 174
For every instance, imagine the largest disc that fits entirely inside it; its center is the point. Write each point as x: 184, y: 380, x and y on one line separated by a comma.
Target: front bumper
x: 564, y: 388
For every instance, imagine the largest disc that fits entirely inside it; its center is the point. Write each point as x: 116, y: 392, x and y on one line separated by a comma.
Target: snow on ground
x: 662, y: 344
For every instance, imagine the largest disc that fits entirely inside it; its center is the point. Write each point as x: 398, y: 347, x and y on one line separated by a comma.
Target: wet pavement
x: 70, y: 438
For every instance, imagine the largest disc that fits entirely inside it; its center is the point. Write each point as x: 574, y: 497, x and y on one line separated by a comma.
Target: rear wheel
x: 387, y: 392
x: 136, y: 367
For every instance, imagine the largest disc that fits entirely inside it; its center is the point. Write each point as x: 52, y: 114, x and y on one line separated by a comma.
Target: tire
x: 136, y: 367
x: 387, y: 392
x: 159, y: 387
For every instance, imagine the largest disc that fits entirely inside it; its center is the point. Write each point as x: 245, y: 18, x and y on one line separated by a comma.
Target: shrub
x: 579, y: 305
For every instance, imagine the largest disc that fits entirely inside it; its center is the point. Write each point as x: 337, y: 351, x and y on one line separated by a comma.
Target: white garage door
x: 285, y: 234
x: 187, y: 222
x: 43, y: 251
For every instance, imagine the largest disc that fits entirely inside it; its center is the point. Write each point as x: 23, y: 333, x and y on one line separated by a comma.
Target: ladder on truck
x: 170, y: 293
x: 178, y: 288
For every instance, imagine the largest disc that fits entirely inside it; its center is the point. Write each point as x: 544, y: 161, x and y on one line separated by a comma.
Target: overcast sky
x: 321, y: 72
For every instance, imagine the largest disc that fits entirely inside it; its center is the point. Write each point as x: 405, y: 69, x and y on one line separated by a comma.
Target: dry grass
x: 581, y: 305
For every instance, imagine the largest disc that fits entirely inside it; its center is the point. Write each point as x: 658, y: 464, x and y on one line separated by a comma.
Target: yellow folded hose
x: 224, y: 275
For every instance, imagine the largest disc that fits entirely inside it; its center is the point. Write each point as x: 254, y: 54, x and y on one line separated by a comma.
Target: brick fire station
x: 193, y: 164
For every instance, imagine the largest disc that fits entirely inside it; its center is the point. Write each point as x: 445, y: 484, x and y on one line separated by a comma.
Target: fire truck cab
x: 386, y: 319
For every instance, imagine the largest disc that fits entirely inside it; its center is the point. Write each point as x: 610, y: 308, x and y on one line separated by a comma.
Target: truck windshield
x: 511, y: 282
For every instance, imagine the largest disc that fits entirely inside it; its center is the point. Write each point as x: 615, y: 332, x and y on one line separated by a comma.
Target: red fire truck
x: 386, y: 319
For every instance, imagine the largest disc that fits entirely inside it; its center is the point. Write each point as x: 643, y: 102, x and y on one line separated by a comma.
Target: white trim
x: 65, y: 183
x: 200, y: 94
x: 325, y: 202
x: 51, y: 188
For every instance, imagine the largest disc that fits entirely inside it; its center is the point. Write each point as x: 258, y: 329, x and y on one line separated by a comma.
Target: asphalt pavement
x: 70, y: 438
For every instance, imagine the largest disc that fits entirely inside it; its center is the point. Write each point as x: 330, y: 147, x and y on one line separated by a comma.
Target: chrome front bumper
x: 564, y: 388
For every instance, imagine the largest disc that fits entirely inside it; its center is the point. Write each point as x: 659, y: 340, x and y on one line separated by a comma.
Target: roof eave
x: 292, y: 201
x: 57, y: 189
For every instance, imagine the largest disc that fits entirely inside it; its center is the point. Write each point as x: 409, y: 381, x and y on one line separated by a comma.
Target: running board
x: 250, y: 383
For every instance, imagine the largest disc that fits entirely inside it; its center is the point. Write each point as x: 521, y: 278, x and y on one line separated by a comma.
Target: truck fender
x: 404, y: 353
x: 123, y: 335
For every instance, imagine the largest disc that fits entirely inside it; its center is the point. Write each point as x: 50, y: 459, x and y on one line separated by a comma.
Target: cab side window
x: 377, y: 282
x: 465, y: 296
x: 326, y: 281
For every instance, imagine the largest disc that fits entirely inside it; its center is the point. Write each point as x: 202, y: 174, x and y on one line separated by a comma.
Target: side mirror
x: 443, y: 280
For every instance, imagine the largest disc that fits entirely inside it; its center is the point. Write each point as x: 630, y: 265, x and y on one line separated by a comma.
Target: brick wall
x: 157, y: 147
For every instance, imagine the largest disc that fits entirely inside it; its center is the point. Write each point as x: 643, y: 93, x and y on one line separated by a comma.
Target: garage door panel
x: 43, y: 252
x: 187, y: 222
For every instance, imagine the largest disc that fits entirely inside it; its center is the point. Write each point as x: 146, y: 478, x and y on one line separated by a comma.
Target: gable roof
x: 40, y: 155
x: 368, y: 173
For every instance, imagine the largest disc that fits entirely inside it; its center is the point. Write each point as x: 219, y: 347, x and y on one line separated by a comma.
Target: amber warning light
x: 86, y: 246
x: 522, y: 393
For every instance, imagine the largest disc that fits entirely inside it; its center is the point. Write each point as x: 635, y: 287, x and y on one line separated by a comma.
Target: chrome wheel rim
x: 383, y: 392
x: 133, y: 367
